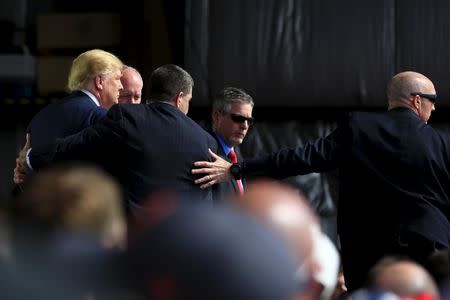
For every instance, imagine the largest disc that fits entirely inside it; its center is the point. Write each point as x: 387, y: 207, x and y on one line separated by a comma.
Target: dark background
x: 305, y: 62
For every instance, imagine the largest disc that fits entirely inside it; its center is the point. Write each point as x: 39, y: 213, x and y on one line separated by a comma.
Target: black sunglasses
x: 431, y: 97
x: 241, y: 119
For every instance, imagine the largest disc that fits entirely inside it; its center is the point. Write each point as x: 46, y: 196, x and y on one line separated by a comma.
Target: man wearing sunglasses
x: 231, y: 119
x: 394, y: 177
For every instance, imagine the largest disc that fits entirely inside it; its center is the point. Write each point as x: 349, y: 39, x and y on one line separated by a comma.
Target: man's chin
x: 237, y: 142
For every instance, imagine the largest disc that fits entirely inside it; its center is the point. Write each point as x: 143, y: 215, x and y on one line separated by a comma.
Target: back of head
x: 286, y: 210
x: 69, y: 224
x: 204, y: 253
x: 75, y: 199
x: 227, y: 96
x: 167, y: 81
x: 283, y: 208
x: 403, y: 84
x: 90, y: 64
x: 402, y: 277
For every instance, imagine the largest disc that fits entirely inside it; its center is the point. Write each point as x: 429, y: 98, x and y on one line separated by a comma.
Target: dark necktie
x: 233, y: 158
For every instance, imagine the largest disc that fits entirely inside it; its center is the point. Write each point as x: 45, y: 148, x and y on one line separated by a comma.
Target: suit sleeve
x: 322, y: 154
x: 213, y: 145
x: 91, y: 144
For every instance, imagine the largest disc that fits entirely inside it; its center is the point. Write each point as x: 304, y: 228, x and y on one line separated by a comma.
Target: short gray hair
x: 229, y: 95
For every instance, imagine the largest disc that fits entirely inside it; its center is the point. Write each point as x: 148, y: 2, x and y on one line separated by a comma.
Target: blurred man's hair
x: 78, y: 199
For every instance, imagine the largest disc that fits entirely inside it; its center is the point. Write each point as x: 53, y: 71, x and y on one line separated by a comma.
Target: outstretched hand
x: 21, y: 169
x: 216, y: 171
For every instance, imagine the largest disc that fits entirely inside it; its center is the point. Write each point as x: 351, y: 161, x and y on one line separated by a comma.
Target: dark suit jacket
x: 63, y: 118
x: 225, y: 189
x: 67, y: 116
x: 146, y: 147
x: 394, y: 176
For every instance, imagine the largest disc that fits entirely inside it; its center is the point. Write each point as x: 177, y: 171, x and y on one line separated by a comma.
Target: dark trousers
x: 360, y: 256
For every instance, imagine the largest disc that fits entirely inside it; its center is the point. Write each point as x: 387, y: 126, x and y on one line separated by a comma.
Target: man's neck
x: 92, y: 95
x: 402, y: 104
x: 226, y: 148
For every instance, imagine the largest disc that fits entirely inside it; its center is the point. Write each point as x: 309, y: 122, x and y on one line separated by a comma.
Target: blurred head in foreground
x: 287, y: 211
x: 404, y: 278
x: 67, y: 225
x: 211, y: 253
x: 75, y: 199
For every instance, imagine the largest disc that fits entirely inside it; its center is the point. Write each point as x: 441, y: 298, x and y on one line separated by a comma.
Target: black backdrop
x: 308, y: 62
x: 309, y: 53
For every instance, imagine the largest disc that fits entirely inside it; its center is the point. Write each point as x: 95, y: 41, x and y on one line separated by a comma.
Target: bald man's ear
x: 417, y: 101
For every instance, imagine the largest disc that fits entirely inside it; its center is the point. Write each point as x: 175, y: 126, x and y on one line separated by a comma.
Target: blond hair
x: 75, y: 198
x: 90, y: 64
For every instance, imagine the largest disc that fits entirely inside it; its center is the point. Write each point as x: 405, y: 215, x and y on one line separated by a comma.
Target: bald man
x: 404, y: 278
x: 394, y: 177
x: 287, y: 211
x: 132, y: 86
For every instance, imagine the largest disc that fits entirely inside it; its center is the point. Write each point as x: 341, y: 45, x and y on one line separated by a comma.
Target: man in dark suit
x: 394, y: 177
x: 231, y: 120
x: 146, y: 147
x: 94, y: 85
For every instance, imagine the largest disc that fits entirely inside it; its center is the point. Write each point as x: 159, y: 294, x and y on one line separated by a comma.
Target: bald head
x: 403, y: 84
x: 132, y: 86
x: 403, y: 91
x: 288, y: 212
x: 285, y: 209
x: 403, y: 277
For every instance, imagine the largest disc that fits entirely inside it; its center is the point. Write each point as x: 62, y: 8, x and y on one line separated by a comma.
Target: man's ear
x: 215, y: 116
x: 178, y: 99
x: 98, y: 82
x: 416, y: 102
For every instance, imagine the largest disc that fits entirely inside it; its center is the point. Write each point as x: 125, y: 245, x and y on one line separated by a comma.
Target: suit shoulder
x: 443, y: 133
x: 83, y: 106
x: 363, y: 115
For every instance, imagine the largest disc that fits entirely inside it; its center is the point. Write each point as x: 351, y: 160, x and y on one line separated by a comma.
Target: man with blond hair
x: 156, y: 142
x: 94, y: 85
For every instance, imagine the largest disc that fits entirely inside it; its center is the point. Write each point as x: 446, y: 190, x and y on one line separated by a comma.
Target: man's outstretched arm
x: 316, y: 156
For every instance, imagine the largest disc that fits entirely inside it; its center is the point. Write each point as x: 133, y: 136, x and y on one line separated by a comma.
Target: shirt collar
x: 93, y: 98
x: 225, y: 147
